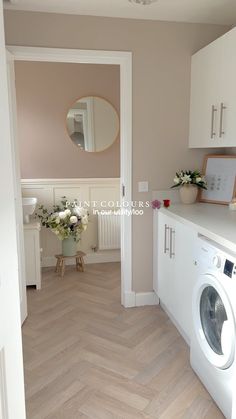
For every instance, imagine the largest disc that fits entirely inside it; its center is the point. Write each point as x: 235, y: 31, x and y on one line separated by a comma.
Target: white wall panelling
x: 50, y: 191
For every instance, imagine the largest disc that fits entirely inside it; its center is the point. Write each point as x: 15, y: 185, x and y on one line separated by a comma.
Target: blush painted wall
x: 45, y: 92
x: 161, y: 95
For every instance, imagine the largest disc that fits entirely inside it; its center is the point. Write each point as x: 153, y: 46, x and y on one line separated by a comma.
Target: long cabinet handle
x: 166, y: 249
x: 172, y: 250
x: 222, y: 108
x: 213, y: 111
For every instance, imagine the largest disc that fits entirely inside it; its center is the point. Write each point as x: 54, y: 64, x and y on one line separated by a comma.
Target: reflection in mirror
x: 92, y: 124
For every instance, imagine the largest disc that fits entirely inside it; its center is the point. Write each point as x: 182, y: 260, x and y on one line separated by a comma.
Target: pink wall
x: 45, y: 92
x: 161, y: 94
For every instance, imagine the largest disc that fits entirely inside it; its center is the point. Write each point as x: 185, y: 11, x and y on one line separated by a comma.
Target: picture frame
x: 220, y: 174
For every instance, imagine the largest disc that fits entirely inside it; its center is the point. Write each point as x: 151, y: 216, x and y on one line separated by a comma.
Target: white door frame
x: 17, y: 184
x: 12, y: 404
x: 124, y: 60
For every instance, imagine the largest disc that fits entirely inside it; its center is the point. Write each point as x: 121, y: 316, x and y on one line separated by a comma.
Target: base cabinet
x: 32, y: 254
x: 175, y: 270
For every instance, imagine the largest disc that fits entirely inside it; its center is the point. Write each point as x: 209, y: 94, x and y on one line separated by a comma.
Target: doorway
x: 124, y: 60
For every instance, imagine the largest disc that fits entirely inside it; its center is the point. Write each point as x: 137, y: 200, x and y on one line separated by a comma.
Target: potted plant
x: 67, y: 220
x: 189, y: 181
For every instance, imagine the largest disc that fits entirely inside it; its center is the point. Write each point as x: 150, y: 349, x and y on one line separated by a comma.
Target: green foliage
x: 189, y: 177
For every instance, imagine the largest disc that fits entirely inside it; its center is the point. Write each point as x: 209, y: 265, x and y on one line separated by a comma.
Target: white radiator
x: 108, y: 231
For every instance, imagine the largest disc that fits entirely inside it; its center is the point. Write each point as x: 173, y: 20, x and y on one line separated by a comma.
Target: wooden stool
x: 61, y: 265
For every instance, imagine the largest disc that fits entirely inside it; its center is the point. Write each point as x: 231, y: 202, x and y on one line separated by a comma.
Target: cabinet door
x: 32, y: 258
x: 176, y: 271
x: 155, y: 250
x: 184, y: 276
x: 227, y: 84
x: 213, y: 94
x: 165, y: 264
x: 204, y: 102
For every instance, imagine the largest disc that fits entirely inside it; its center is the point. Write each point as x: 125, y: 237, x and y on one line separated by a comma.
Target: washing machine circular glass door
x: 213, y: 320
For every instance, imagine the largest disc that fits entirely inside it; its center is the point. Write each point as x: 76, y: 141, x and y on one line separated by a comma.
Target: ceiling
x: 202, y: 11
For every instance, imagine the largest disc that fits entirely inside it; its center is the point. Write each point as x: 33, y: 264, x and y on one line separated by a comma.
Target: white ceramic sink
x: 29, y: 205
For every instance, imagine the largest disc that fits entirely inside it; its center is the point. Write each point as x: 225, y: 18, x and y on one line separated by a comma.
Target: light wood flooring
x: 86, y: 357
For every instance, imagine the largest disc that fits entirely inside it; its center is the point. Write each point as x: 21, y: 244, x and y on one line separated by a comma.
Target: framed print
x: 220, y: 174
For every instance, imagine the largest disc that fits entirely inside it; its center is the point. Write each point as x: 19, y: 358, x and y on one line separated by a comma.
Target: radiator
x: 108, y: 231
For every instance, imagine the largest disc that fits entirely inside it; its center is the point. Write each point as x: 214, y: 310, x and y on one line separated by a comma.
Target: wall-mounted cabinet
x: 213, y: 94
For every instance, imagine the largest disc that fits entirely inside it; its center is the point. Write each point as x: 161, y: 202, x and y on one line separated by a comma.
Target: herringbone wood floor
x: 88, y: 357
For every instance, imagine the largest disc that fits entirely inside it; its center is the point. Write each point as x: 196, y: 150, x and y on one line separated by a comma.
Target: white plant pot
x: 188, y: 194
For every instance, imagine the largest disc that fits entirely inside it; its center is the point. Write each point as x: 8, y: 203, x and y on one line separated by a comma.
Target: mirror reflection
x: 92, y: 124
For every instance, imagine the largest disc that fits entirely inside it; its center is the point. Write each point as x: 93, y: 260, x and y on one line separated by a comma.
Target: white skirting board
x: 96, y: 257
x: 138, y: 299
x: 146, y: 299
x: 129, y: 299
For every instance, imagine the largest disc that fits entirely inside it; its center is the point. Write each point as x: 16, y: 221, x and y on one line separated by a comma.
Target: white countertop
x: 216, y: 222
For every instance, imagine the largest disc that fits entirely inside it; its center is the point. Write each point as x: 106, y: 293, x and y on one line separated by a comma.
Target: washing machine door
x: 213, y: 321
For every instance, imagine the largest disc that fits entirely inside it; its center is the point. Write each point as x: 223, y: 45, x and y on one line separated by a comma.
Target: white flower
x: 176, y: 180
x: 198, y: 179
x: 73, y: 219
x: 80, y: 211
x: 186, y: 179
x: 62, y: 215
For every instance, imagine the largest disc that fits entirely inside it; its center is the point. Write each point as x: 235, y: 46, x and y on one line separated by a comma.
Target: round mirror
x: 92, y: 123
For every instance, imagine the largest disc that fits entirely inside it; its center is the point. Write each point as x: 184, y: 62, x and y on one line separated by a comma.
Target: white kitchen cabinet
x: 174, y: 269
x: 165, y: 262
x: 185, y: 275
x: 32, y: 254
x: 213, y: 94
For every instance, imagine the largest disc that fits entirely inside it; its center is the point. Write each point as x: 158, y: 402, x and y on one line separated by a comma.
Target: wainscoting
x: 49, y: 192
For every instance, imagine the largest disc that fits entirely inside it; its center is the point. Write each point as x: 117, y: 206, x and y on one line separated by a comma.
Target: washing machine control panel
x: 229, y: 268
x: 224, y: 265
x: 216, y: 259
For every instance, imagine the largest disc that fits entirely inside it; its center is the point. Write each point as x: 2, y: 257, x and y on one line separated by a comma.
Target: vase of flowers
x: 67, y: 220
x: 189, y: 183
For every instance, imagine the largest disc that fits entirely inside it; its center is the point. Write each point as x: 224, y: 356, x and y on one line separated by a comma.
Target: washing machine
x: 213, y: 339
